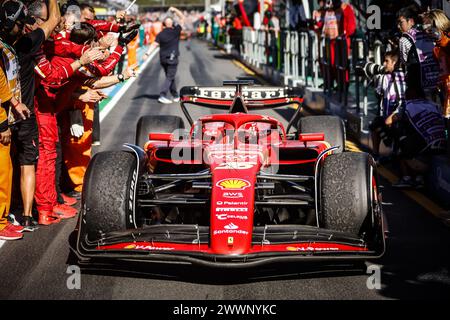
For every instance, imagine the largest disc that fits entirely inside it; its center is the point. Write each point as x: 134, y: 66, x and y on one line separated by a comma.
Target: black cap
x: 12, y: 11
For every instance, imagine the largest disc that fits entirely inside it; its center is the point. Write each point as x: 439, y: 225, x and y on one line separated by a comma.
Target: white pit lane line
x: 125, y: 87
x: 116, y: 98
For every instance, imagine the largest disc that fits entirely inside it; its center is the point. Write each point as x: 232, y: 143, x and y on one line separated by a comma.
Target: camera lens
x: 372, y: 69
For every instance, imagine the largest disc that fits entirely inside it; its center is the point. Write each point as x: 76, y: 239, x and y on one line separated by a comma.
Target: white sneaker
x: 176, y: 99
x: 165, y: 100
x: 12, y: 219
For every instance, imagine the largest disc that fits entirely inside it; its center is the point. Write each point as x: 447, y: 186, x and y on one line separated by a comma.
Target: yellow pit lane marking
x: 243, y: 67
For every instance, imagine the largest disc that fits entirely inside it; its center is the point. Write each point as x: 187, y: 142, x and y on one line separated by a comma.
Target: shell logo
x: 130, y: 246
x: 233, y: 184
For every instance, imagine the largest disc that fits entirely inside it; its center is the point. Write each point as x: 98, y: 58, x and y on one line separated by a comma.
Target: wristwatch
x: 120, y: 77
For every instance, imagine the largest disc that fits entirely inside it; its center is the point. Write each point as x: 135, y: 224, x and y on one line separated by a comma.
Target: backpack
x: 421, y: 54
x: 425, y: 117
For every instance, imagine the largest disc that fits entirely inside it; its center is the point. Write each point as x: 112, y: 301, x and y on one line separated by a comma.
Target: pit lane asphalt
x: 416, y: 265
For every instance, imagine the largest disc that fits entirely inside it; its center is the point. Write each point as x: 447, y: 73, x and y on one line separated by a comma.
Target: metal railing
x: 307, y: 59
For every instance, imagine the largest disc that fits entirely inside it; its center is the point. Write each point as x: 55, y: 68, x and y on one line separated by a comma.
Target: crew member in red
x: 76, y: 144
x: 59, y: 43
x: 52, y: 77
x: 102, y: 26
x: 96, y: 68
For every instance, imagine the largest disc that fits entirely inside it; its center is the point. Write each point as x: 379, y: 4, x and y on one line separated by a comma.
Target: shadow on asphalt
x: 415, y: 271
x: 146, y: 96
x: 219, y: 276
x: 223, y: 57
x: 398, y: 281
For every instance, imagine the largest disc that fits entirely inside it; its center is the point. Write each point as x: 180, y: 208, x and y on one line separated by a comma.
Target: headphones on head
x: 9, y: 20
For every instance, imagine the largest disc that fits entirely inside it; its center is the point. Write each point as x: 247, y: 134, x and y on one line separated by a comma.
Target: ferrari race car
x: 236, y: 189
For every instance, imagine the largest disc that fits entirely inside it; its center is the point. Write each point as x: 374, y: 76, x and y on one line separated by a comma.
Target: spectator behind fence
x: 339, y: 20
x: 299, y: 14
x: 318, y: 16
x: 156, y: 28
x: 390, y: 87
x: 273, y: 22
x: 236, y: 33
x: 318, y: 20
x: 416, y: 53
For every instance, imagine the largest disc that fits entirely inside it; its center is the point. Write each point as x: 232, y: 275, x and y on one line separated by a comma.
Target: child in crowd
x: 391, y: 90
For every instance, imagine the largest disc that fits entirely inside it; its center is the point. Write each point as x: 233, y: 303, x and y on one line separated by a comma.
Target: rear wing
x: 241, y: 96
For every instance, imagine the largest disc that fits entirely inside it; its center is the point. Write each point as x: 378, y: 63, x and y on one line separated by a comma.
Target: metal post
x: 287, y: 60
x: 288, y: 7
x: 356, y: 58
x: 294, y: 55
x: 302, y: 57
x: 337, y: 66
x: 314, y: 56
x: 261, y: 10
x: 346, y: 71
x: 366, y: 89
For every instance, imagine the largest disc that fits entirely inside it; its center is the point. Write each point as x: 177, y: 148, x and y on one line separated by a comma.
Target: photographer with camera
x: 416, y: 53
x: 168, y: 40
x: 419, y: 125
x: 390, y: 88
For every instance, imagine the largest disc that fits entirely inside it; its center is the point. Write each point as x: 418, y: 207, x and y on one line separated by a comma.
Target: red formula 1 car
x: 236, y: 189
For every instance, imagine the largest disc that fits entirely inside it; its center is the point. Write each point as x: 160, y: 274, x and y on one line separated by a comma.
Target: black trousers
x: 169, y: 84
x: 96, y: 123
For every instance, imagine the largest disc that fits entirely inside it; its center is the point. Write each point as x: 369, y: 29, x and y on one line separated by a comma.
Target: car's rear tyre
x: 331, y: 126
x: 160, y: 124
x: 347, y: 193
x: 108, y: 194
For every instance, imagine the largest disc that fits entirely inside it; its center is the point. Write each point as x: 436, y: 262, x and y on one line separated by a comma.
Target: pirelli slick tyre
x: 161, y: 124
x: 108, y: 194
x: 348, y: 193
x: 331, y: 126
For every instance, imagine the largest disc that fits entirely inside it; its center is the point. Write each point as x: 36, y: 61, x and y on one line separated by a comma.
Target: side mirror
x: 160, y: 136
x: 307, y: 137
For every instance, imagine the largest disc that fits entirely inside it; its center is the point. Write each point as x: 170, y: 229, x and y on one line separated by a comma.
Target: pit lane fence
x: 305, y: 58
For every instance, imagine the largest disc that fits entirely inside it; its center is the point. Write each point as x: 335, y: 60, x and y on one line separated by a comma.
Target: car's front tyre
x: 108, y: 195
x: 349, y: 194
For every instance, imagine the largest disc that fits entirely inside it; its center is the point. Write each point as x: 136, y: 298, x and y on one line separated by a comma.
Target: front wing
x: 188, y: 244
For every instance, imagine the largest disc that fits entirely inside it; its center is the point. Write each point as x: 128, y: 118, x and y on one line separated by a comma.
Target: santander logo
x: 231, y: 226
